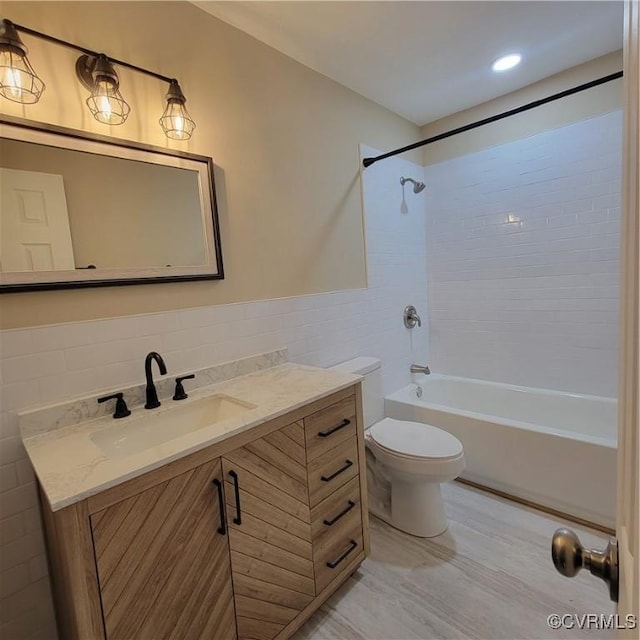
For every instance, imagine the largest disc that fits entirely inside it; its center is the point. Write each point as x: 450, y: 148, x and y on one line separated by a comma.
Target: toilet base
x: 417, y: 508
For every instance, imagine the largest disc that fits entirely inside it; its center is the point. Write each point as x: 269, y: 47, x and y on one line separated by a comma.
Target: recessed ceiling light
x: 506, y: 62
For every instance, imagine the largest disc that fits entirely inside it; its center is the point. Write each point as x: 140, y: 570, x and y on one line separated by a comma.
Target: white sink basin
x: 137, y: 433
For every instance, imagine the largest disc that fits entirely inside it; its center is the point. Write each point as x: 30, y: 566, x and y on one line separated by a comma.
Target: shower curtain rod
x: 367, y: 162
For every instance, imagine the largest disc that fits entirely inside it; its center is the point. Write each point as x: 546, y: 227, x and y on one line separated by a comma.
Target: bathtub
x: 554, y: 449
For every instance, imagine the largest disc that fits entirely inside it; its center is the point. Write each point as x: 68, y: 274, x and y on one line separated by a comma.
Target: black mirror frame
x: 122, y: 281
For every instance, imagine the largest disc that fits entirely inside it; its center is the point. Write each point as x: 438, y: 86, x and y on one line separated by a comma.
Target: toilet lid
x: 415, y: 439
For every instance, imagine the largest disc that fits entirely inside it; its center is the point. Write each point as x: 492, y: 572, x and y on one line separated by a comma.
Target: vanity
x: 232, y: 514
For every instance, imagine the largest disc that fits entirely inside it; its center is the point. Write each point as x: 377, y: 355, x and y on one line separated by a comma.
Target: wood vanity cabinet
x: 244, y: 539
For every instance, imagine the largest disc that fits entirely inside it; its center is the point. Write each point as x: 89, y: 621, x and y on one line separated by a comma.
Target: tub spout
x: 419, y: 368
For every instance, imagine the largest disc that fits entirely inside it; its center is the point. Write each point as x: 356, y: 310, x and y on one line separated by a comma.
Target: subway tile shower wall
x: 50, y: 364
x: 523, y: 255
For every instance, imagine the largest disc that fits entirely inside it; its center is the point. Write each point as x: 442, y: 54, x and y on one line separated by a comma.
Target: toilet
x: 406, y: 461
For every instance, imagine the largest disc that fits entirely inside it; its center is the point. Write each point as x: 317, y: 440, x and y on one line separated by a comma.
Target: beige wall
x: 580, y: 106
x: 283, y: 137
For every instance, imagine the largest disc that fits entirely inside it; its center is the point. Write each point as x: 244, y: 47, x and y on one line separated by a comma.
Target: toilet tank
x: 372, y: 400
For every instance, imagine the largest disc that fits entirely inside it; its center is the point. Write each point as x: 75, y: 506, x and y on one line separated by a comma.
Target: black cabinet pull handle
x: 335, y: 563
x: 341, y: 514
x: 324, y: 434
x: 222, y: 529
x: 348, y: 464
x: 236, y: 488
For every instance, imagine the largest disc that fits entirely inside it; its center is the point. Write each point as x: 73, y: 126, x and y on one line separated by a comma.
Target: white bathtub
x: 551, y: 448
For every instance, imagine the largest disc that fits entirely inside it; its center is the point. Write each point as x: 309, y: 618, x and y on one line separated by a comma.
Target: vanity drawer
x: 336, y: 549
x: 326, y: 428
x: 328, y: 515
x: 332, y: 469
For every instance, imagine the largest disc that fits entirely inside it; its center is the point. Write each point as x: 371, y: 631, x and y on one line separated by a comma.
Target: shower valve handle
x: 411, y: 317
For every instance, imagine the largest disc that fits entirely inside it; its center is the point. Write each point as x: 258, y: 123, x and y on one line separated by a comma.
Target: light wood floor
x: 489, y: 576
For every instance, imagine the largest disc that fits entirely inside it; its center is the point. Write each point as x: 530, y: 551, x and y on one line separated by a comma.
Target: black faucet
x: 152, y: 394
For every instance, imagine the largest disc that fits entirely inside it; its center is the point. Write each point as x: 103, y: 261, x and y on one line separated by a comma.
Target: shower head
x: 417, y: 186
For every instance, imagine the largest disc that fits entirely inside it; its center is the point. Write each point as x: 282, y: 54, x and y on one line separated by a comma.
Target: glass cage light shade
x: 18, y: 81
x: 176, y: 122
x: 106, y: 102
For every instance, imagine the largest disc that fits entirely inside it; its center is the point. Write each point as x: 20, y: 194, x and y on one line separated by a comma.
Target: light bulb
x: 104, y: 109
x: 178, y: 125
x: 11, y: 79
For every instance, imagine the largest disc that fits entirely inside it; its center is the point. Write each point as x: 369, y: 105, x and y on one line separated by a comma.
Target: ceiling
x: 424, y: 60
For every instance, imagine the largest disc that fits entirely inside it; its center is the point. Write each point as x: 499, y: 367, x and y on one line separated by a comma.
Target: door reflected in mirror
x: 80, y: 210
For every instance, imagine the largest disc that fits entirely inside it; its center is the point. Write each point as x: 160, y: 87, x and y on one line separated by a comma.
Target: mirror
x: 82, y: 210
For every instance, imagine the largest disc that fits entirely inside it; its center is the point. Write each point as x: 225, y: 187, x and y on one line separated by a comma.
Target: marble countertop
x: 71, y: 467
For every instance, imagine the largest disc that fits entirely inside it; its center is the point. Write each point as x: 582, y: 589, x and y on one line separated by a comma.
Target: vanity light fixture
x: 96, y: 72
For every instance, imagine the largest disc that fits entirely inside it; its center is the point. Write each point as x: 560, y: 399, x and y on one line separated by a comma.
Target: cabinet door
x: 163, y: 561
x: 269, y: 531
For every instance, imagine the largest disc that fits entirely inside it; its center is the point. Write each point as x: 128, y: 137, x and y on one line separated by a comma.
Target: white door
x: 628, y: 514
x: 619, y: 564
x: 34, y: 224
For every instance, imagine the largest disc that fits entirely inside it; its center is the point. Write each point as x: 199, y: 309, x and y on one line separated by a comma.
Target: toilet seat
x: 415, y: 440
x: 413, y: 451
